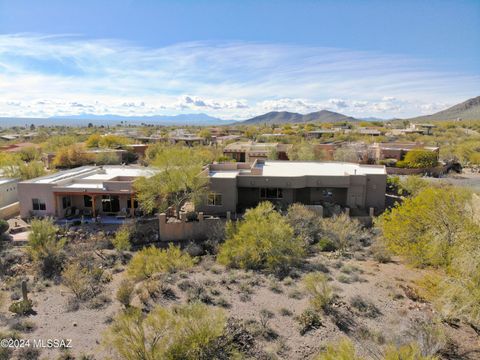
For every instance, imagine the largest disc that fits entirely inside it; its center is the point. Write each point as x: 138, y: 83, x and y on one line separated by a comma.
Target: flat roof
x: 93, y: 173
x: 314, y: 168
x: 7, y: 180
x: 224, y: 174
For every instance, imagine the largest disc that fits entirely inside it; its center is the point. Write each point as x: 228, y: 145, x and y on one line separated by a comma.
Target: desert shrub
x: 308, y: 320
x: 45, y: 248
x: 180, y: 332
x: 412, y: 185
x: 151, y: 260
x: 341, y: 350
x: 325, y: 244
x: 426, y: 228
x: 21, y: 307
x: 85, y: 279
x: 365, y: 307
x: 215, y: 236
x: 380, y: 253
x: 305, y: 223
x: 7, y: 352
x: 428, y: 335
x: 125, y: 292
x: 342, y: 231
x: 420, y: 159
x: 437, y: 228
x: 285, y: 312
x: 316, y: 285
x: 264, y: 240
x: 3, y: 226
x: 121, y: 242
x: 23, y: 326
x: 406, y: 352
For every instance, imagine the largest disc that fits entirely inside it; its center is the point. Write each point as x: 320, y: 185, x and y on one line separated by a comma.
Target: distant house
x: 421, y: 129
x: 317, y: 134
x: 235, y: 187
x: 249, y: 151
x: 87, y: 190
x: 397, y: 151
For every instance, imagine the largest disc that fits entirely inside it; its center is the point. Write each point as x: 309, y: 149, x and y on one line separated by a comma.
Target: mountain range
x: 280, y: 117
x: 467, y: 110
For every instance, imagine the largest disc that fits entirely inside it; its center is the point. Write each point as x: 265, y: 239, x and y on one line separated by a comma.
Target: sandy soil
x: 249, y: 292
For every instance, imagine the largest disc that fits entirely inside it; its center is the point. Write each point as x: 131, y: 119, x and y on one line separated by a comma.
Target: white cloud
x: 47, y: 75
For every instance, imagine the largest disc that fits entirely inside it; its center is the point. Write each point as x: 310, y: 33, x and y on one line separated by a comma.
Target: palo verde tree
x: 178, y: 180
x: 263, y: 240
x: 439, y: 228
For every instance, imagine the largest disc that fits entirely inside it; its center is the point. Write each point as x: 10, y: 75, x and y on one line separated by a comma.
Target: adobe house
x: 87, y: 190
x: 235, y: 187
x: 397, y: 151
x: 249, y: 151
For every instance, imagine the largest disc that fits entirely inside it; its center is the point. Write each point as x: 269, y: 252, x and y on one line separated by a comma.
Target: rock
x: 74, y: 324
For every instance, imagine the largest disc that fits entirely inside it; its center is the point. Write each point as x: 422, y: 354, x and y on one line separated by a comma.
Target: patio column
x: 132, y: 203
x: 94, y: 209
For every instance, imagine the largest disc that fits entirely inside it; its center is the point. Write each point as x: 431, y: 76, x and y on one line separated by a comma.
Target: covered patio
x: 95, y: 205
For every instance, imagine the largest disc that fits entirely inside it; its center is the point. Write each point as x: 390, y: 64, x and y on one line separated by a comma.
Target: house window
x: 38, y: 204
x: 110, y: 203
x: 87, y: 201
x: 215, y: 199
x: 66, y: 202
x: 271, y: 193
x: 129, y: 203
x: 327, y: 193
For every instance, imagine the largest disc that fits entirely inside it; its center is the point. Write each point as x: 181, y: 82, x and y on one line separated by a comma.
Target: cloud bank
x: 44, y: 76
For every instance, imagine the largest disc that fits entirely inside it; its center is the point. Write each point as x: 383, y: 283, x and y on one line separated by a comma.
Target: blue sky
x: 236, y: 59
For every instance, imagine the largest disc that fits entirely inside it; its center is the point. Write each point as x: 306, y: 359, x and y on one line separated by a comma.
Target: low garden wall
x: 10, y: 211
x: 182, y: 230
x: 435, y: 171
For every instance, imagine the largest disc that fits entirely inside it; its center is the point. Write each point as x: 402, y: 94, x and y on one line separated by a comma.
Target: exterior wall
x: 182, y: 230
x: 228, y: 188
x: 354, y: 191
x: 8, y: 192
x: 29, y: 191
x: 9, y: 211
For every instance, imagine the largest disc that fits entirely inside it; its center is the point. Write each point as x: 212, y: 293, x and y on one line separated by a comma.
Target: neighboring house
x: 317, y: 134
x: 250, y: 151
x: 421, y: 129
x: 8, y: 197
x: 397, y: 151
x: 369, y: 131
x: 235, y: 187
x: 87, y: 190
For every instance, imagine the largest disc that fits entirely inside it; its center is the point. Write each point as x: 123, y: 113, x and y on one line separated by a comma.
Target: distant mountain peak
x: 281, y: 117
x: 467, y: 110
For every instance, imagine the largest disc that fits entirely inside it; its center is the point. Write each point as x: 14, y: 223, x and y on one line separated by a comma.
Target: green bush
x: 182, y: 332
x: 3, y: 226
x: 22, y: 307
x: 308, y: 320
x: 152, y: 260
x: 420, y: 159
x: 305, y: 223
x: 121, y: 242
x: 316, y: 285
x: 342, y: 350
x: 125, y: 292
x: 342, y: 231
x: 263, y: 240
x: 85, y: 280
x: 45, y: 248
x: 406, y: 352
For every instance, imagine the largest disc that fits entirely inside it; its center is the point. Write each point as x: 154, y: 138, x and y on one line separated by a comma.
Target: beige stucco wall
x: 8, y: 193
